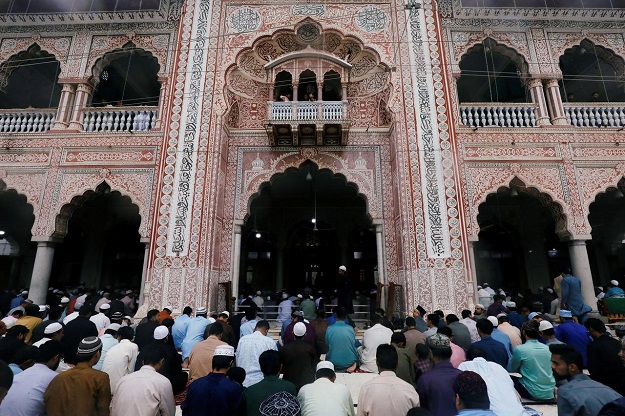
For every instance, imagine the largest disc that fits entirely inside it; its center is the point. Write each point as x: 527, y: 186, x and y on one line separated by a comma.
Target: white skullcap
x: 169, y: 308
x: 479, y: 305
x: 52, y: 328
x: 225, y: 313
x: 201, y: 311
x: 114, y: 327
x: 285, y: 296
x: 24, y: 292
x: 299, y: 296
x: 512, y: 304
x: 550, y: 290
x: 42, y: 308
x: 258, y: 292
x: 299, y: 329
x: 614, y: 282
x: 479, y: 287
x: 64, y: 299
x: 545, y: 325
x: 325, y: 364
x: 502, y: 314
x: 600, y: 288
x: 128, y: 292
x: 493, y: 321
x: 343, y: 268
x: 226, y: 350
x: 105, y: 306
x: 160, y: 332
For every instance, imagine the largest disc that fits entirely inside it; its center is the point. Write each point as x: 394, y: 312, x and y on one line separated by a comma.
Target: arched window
x: 331, y: 86
x: 591, y: 73
x: 126, y: 77
x: 30, y: 80
x: 284, y: 86
x: 492, y: 73
x: 307, y: 86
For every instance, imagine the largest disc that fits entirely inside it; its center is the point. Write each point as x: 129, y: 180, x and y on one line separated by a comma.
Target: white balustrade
x: 306, y: 110
x: 498, y: 115
x: 119, y: 118
x: 26, y: 121
x: 595, y: 114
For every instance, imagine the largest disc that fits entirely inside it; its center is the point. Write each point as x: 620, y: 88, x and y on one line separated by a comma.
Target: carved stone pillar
x: 295, y: 88
x: 554, y: 100
x: 236, y: 257
x: 144, y: 273
x: 65, y: 107
x: 41, y: 270
x: 272, y: 91
x: 382, y: 279
x: 83, y: 93
x: 581, y: 270
x: 538, y: 98
x: 162, y: 101
x: 320, y: 91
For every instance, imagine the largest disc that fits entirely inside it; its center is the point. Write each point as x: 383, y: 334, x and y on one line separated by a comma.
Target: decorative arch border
x: 509, y: 52
x: 98, y: 59
x: 600, y: 181
x: 496, y: 179
x: 608, y: 55
x: 6, y: 187
x: 251, y: 181
x: 561, y: 42
x: 75, y: 187
x: 8, y: 66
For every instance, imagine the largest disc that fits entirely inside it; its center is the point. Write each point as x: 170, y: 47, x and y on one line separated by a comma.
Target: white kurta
x: 324, y: 397
x: 377, y: 335
x: 143, y: 393
x: 120, y: 360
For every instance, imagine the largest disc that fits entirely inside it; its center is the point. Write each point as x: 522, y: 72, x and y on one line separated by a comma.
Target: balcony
x: 27, y: 121
x: 498, y: 115
x: 119, y: 119
x: 307, y: 123
x: 595, y: 114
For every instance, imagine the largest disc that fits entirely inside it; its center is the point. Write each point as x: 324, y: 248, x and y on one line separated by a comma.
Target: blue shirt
x: 213, y: 395
x: 614, y: 291
x: 495, y: 350
x: 476, y: 412
x: 16, y: 301
x: 572, y: 296
x: 575, y: 335
x: 249, y: 349
x: 436, y: 389
x: 341, y: 342
x: 108, y: 341
x: 179, y: 330
x: 516, y: 319
x: 247, y: 328
x: 195, y: 334
x: 582, y: 396
x: 25, y: 397
x: 504, y: 339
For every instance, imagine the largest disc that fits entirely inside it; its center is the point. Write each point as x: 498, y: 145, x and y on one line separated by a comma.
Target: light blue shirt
x: 476, y: 412
x: 533, y: 361
x: 15, y: 369
x: 341, y: 342
x: 285, y: 308
x: 248, y: 351
x: 179, y: 330
x: 108, y: 341
x: 247, y: 328
x: 497, y: 335
x: 25, y: 397
x: 195, y: 334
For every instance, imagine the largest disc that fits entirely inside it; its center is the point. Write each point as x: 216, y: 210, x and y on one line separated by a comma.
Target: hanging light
x: 314, y: 220
x: 258, y: 235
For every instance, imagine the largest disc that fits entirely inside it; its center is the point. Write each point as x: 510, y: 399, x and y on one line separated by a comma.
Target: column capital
x: 535, y: 82
x: 45, y: 239
x: 581, y: 238
x: 551, y: 83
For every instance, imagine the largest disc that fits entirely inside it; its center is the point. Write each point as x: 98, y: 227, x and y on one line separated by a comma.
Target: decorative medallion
x: 371, y: 19
x: 257, y: 164
x: 308, y: 33
x: 308, y: 10
x: 244, y: 20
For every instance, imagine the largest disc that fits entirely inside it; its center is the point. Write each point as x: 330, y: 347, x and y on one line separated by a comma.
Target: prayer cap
x: 64, y: 299
x: 512, y: 304
x: 545, y: 325
x: 160, y: 332
x: 299, y: 329
x: 201, y: 311
x: 89, y: 346
x: 325, y: 364
x: 565, y: 314
x: 114, y: 327
x: 282, y: 403
x: 479, y: 305
x: 471, y: 384
x: 614, y: 282
x: 493, y: 320
x: 105, y: 306
x: 533, y: 315
x: 343, y: 268
x: 225, y: 313
x: 52, y: 328
x: 439, y: 341
x: 225, y: 350
x: 169, y: 308
x: 117, y: 315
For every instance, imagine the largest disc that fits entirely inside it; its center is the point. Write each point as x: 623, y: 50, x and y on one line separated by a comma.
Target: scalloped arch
x: 33, y: 51
x: 502, y: 48
x: 608, y: 55
x: 96, y: 65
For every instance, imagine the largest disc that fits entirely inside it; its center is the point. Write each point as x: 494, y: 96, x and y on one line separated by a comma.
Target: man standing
x: 604, y: 364
x: 494, y: 350
x: 144, y: 333
x: 343, y: 290
x: 299, y: 359
x: 271, y: 383
x: 80, y: 390
x: 580, y: 396
x: 413, y: 337
x: 75, y: 331
x: 179, y: 329
x: 572, y: 299
x: 309, y: 308
x: 285, y: 309
x: 195, y: 332
x: 373, y: 337
x: 341, y: 341
x: 121, y: 358
x: 436, y: 387
x: 324, y: 397
x: 249, y: 350
x: 386, y: 394
x: 532, y: 361
x: 201, y: 357
x: 573, y: 334
x: 25, y: 398
x: 145, y: 392
x: 215, y: 394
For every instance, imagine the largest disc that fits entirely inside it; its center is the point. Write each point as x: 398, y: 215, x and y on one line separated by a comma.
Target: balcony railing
x: 119, y: 118
x: 27, y: 121
x: 307, y: 110
x: 595, y: 114
x: 498, y: 115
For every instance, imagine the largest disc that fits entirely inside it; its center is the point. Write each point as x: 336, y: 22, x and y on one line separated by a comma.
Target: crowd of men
x: 86, y: 354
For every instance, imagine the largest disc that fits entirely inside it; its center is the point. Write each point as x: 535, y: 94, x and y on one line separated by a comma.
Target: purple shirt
x: 495, y: 309
x: 436, y: 389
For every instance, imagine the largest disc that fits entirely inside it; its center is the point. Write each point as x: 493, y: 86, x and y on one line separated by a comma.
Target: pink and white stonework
x: 421, y: 169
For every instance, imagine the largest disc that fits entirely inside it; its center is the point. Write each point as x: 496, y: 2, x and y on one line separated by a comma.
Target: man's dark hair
x: 48, y: 350
x: 440, y: 313
x: 451, y: 318
x: 596, y: 324
x: 423, y: 351
x: 236, y: 374
x: 503, y: 318
x: 324, y: 372
x: 466, y: 313
x: 111, y: 332
x: 419, y: 411
x: 6, y: 376
x: 187, y: 310
x: 549, y: 332
x: 221, y: 361
x: 262, y: 324
x: 55, y: 312
x: 26, y: 353
x: 376, y: 319
x: 410, y: 321
x: 531, y: 332
x: 474, y: 353
x: 485, y: 326
x: 225, y: 316
x: 442, y: 353
x: 445, y: 330
x: 126, y: 332
x: 398, y: 338
x: 17, y: 330
x: 434, y: 318
x: 386, y: 357
x: 32, y: 310
x: 168, y: 322
x: 496, y: 298
x: 568, y: 354
x: 250, y: 312
x: 341, y: 313
x: 216, y: 328
x: 152, y: 313
x: 85, y: 310
x: 153, y: 353
x: 269, y: 363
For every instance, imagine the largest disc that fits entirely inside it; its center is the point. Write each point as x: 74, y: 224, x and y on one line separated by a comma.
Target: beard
x: 560, y: 377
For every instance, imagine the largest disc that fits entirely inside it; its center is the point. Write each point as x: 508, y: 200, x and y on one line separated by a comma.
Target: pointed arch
x: 501, y: 48
x: 99, y: 63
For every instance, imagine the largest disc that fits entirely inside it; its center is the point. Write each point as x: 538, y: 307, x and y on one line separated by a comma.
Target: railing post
x: 83, y: 92
x: 65, y: 107
x: 538, y: 98
x: 554, y: 100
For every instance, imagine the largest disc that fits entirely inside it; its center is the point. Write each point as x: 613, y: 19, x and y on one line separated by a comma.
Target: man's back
x: 341, y: 341
x: 386, y: 395
x: 582, y: 396
x: 298, y: 363
x: 513, y: 333
x: 213, y: 395
x: 119, y: 361
x: 73, y: 333
x: 25, y: 397
x: 325, y: 398
x: 575, y: 335
x: 604, y: 364
x: 255, y: 395
x: 144, y: 393
x: 194, y: 334
x: 371, y: 339
x: 248, y: 351
x: 533, y: 361
x: 495, y: 351
x: 179, y: 330
x: 461, y: 334
x: 413, y: 337
x: 436, y: 390
x: 145, y: 333
x: 201, y: 357
x: 79, y: 391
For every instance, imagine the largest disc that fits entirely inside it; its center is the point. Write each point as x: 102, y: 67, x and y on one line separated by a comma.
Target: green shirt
x: 256, y: 394
x: 533, y: 361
